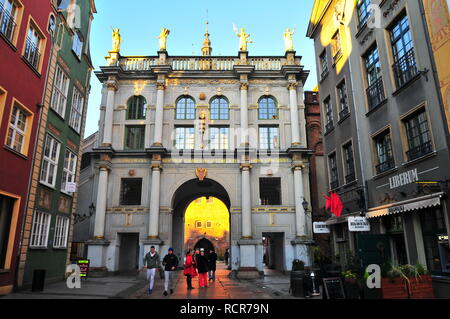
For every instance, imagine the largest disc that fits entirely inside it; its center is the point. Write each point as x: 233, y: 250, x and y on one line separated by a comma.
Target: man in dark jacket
x: 212, y: 265
x: 170, y: 263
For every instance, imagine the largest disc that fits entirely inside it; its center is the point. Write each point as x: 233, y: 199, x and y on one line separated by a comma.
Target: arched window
x: 220, y: 109
x: 268, y: 108
x: 185, y: 108
x: 136, y: 108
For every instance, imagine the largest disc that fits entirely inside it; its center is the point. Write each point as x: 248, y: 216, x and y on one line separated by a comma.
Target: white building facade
x: 173, y: 129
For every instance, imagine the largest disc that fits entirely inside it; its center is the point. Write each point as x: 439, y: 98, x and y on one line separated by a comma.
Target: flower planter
x: 351, y: 288
x: 394, y: 288
x: 421, y: 288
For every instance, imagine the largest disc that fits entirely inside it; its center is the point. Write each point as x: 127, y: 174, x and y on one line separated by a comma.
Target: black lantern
x: 305, y: 205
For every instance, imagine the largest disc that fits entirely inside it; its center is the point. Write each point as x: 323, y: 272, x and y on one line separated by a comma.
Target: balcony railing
x: 375, y: 93
x: 419, y: 151
x: 350, y: 177
x: 7, y: 23
x: 405, y: 68
x: 329, y: 127
x: 385, y: 166
x: 266, y: 64
x: 32, y: 54
x: 345, y: 111
x: 138, y: 63
x: 334, y: 184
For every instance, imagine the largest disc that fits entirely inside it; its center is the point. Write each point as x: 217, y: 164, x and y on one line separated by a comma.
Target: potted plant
x: 351, y: 286
x: 407, y: 282
x: 422, y: 285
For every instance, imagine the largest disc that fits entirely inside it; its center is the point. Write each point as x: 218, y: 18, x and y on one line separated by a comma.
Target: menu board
x: 334, y: 288
x: 84, y: 267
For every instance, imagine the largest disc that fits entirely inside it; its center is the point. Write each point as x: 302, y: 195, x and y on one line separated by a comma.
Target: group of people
x: 197, y: 263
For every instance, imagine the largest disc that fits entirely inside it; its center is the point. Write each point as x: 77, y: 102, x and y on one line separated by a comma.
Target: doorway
x: 128, y: 253
x: 273, y: 256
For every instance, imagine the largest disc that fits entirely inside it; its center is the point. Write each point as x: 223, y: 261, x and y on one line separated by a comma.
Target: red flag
x: 336, y: 204
x: 327, y: 201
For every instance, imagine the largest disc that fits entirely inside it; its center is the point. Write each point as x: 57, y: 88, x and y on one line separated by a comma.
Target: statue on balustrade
x: 163, y: 39
x: 244, y: 38
x: 117, y: 40
x: 288, y: 41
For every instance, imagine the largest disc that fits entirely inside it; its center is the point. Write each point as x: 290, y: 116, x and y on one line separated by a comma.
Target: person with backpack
x: 151, y: 263
x: 170, y: 263
x: 189, y: 269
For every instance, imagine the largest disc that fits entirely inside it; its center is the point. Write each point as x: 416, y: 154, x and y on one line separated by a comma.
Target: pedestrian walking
x: 151, y: 263
x: 226, y: 256
x: 170, y: 263
x: 202, y: 266
x: 189, y: 269
x: 212, y: 265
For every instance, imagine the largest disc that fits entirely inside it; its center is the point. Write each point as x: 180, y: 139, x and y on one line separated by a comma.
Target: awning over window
x: 409, y: 205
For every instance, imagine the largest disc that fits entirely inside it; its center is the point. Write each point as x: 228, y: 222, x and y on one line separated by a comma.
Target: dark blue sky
x: 140, y: 22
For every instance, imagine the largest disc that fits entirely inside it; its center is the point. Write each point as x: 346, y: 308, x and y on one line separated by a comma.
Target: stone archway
x: 204, y: 243
x: 186, y: 194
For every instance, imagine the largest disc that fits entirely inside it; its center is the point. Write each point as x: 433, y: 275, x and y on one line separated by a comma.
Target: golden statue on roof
x: 163, y: 38
x: 244, y: 38
x: 116, y: 39
x: 288, y: 41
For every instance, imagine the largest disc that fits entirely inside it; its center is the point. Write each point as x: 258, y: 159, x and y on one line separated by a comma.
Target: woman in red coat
x: 189, y: 269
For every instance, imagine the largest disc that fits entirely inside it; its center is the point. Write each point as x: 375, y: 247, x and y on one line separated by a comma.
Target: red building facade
x: 25, y: 43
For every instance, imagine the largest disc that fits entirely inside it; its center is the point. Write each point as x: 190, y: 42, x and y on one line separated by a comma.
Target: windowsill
x: 75, y: 131
x: 324, y: 77
x: 337, y: 58
x: 361, y: 29
x: 66, y: 193
x: 57, y: 114
x: 50, y: 187
x: 327, y: 132
x: 407, y: 84
x: 344, y: 118
x: 31, y: 66
x: 349, y: 184
x: 6, y: 147
x: 76, y: 56
x: 374, y: 109
x: 8, y: 42
x: 422, y: 158
x: 385, y: 173
x: 38, y: 248
x: 60, y: 248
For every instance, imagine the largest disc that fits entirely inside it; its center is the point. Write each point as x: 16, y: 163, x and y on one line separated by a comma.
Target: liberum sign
x: 403, y: 179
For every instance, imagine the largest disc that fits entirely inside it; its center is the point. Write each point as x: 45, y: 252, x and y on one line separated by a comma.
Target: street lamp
x: 305, y: 205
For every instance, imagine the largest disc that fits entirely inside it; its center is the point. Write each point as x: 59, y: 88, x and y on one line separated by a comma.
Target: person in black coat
x: 212, y: 265
x: 202, y: 268
x: 170, y: 263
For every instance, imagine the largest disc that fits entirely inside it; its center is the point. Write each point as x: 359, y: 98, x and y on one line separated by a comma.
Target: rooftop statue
x: 244, y: 38
x: 288, y: 42
x: 163, y: 38
x: 117, y: 40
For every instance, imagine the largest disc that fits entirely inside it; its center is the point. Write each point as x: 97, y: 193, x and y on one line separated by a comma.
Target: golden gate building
x: 174, y: 129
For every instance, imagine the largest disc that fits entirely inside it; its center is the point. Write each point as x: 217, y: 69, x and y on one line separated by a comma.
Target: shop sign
x: 321, y: 228
x: 358, y: 224
x: 84, y: 267
x: 403, y: 179
x: 71, y: 187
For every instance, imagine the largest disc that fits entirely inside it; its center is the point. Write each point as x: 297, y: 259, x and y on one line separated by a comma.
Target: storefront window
x: 394, y: 228
x: 435, y: 239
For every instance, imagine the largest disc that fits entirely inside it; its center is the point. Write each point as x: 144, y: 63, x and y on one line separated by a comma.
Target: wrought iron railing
x: 334, y: 184
x: 32, y: 53
x: 385, y: 166
x: 405, y: 68
x: 7, y: 23
x: 419, y: 151
x: 345, y: 111
x: 329, y: 127
x: 375, y: 93
x: 350, y: 177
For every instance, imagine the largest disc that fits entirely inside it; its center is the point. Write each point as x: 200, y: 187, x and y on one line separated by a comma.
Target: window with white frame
x: 77, y: 46
x: 60, y: 89
x: 76, y: 110
x: 184, y: 138
x: 32, y: 47
x: 8, y: 18
x: 70, y: 167
x: 61, y: 231
x: 40, y: 230
x: 50, y: 161
x: 17, y: 129
x: 219, y: 138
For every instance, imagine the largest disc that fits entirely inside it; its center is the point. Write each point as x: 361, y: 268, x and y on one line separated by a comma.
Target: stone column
x: 100, y: 212
x: 244, y: 114
x: 295, y: 127
x: 159, y: 116
x: 300, y: 218
x: 246, y: 202
x: 109, y: 117
x: 153, y: 227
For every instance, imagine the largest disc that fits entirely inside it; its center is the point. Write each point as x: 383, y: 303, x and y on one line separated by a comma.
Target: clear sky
x: 140, y: 22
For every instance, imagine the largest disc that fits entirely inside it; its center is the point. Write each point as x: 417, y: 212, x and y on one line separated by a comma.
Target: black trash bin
x: 38, y: 280
x: 297, y: 284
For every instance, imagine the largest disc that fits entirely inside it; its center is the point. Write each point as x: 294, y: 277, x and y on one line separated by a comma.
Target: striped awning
x: 409, y: 205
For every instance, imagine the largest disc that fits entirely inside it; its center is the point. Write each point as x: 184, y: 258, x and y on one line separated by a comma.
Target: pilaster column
x: 109, y: 116
x: 246, y: 202
x: 300, y: 218
x: 153, y: 227
x: 159, y: 116
x: 244, y: 114
x: 292, y: 87
x: 100, y: 212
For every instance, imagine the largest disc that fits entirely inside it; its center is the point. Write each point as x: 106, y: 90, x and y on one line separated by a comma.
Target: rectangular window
x: 76, y: 110
x: 208, y: 224
x: 40, y: 230
x: 218, y: 138
x: 49, y: 167
x: 435, y: 239
x: 363, y: 12
x: 69, y: 172
x: 270, y: 190
x: 418, y: 136
x: 349, y: 163
x: 403, y: 50
x: 131, y: 191
x: 343, y: 100
x: 323, y: 64
x: 134, y: 137
x: 184, y: 138
x: 6, y: 213
x: 8, y: 17
x: 385, y: 157
x: 60, y: 89
x: 269, y: 138
x: 198, y: 224
x: 17, y: 129
x: 329, y: 114
x: 61, y: 231
x: 336, y: 46
x: 334, y: 178
x: 77, y: 46
x: 375, y: 90
x: 32, y: 47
